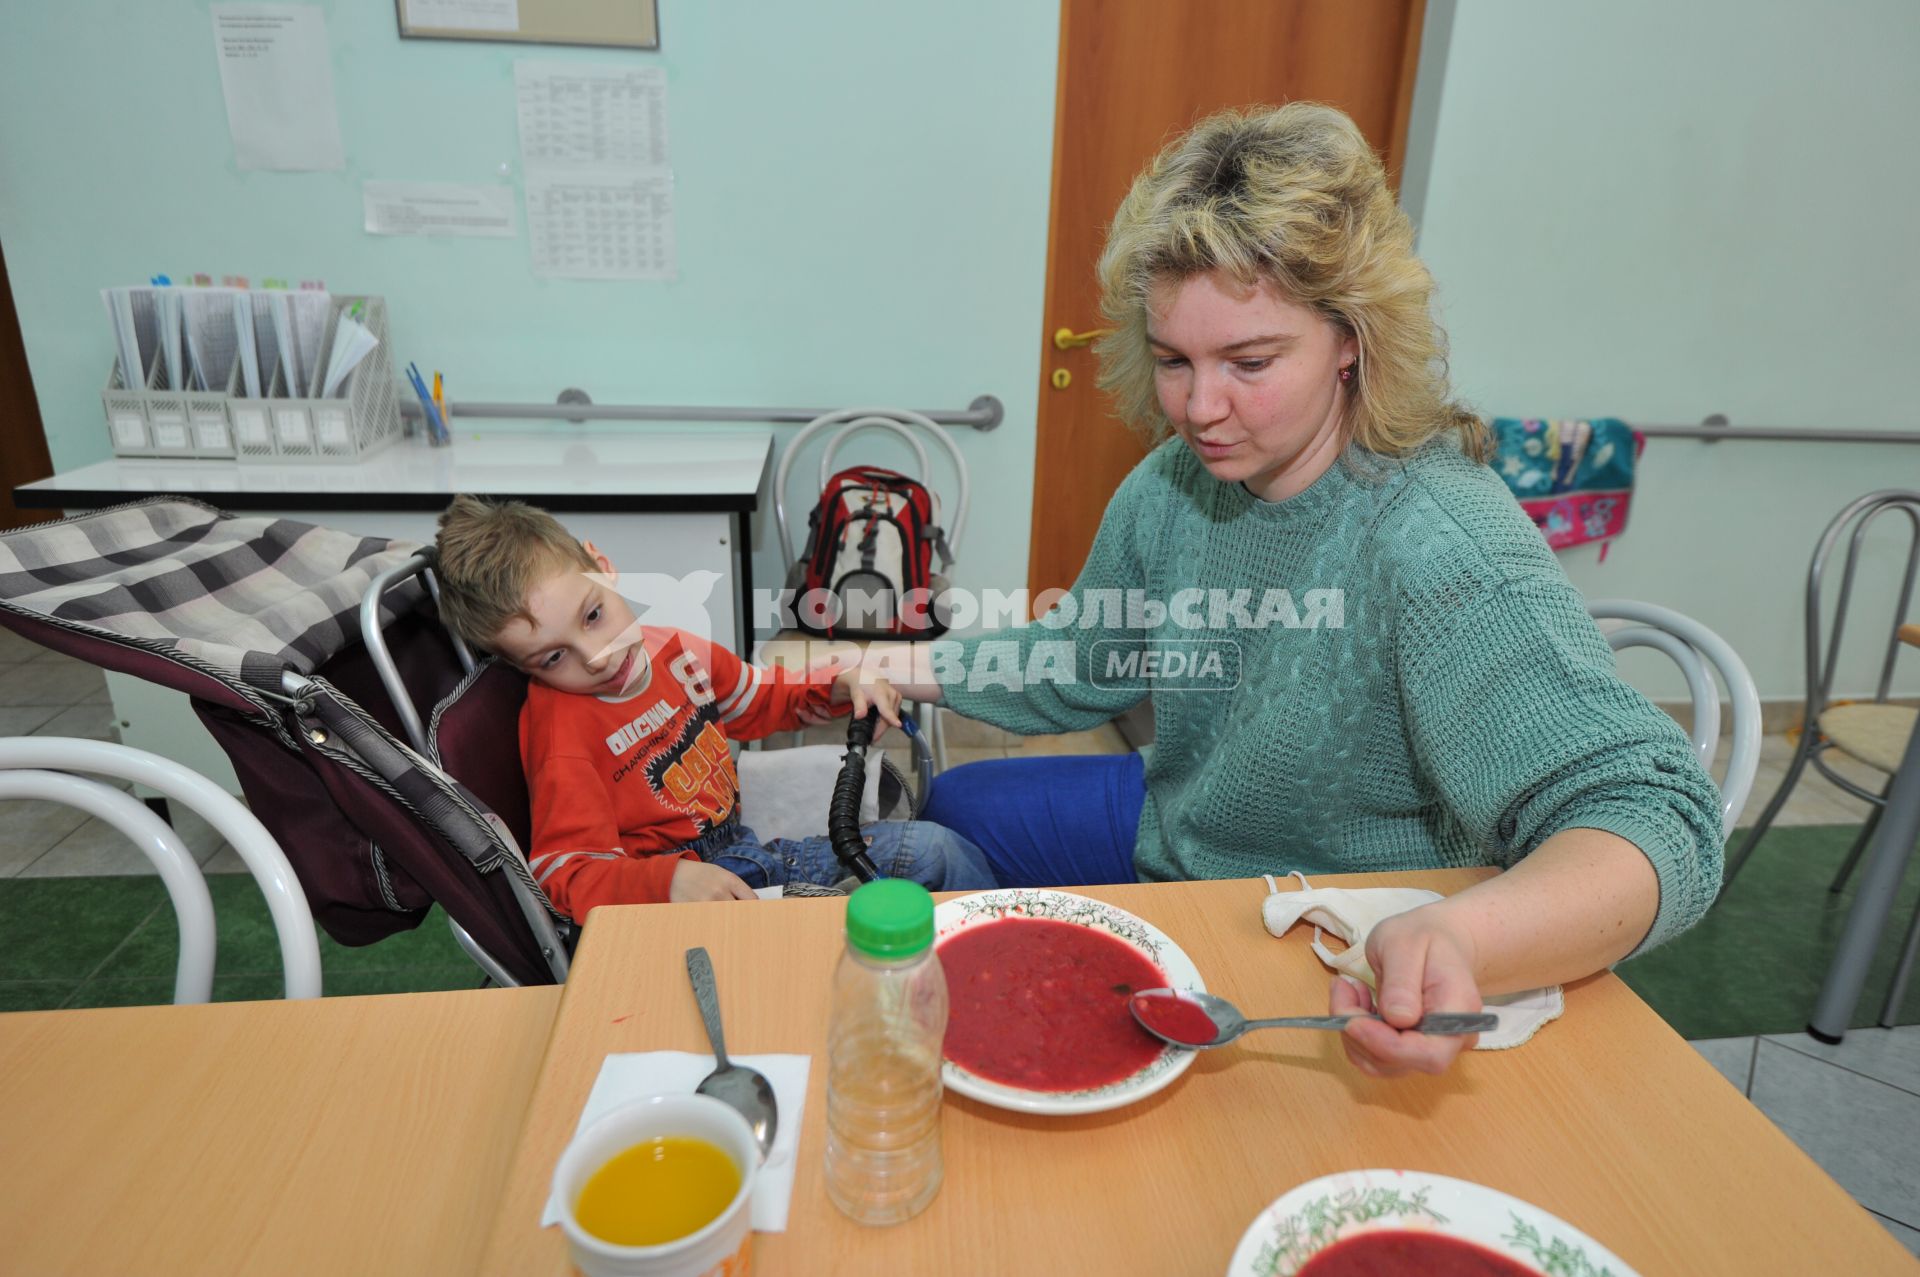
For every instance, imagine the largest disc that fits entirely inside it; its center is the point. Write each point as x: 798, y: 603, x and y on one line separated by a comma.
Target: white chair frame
x: 1695, y: 648
x: 895, y: 421
x: 40, y: 767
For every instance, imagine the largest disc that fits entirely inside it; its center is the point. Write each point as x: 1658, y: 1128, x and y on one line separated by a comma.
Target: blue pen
x: 436, y: 430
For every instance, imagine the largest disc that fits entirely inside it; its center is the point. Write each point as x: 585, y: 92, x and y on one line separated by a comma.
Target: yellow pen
x: 439, y: 402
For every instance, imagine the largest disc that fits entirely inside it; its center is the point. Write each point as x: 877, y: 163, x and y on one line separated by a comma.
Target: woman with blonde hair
x: 1403, y: 677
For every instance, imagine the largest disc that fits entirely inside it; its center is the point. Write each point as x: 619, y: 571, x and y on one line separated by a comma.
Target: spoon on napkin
x: 743, y: 1089
x: 1185, y: 1018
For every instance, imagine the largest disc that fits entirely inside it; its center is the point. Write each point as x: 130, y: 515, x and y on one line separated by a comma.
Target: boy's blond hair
x: 492, y: 553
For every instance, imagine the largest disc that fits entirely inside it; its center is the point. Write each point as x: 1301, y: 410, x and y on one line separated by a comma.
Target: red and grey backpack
x: 870, y: 546
x: 868, y: 570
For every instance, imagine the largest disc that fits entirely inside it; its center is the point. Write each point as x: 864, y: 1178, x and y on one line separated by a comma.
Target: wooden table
x: 1607, y: 1119
x: 336, y: 1136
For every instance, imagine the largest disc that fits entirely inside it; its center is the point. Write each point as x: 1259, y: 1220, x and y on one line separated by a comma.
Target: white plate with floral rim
x: 1314, y: 1216
x: 954, y: 916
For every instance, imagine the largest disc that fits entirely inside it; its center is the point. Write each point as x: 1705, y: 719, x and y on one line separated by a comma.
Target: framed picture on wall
x: 623, y: 24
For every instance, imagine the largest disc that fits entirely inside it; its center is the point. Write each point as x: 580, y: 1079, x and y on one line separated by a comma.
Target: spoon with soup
x: 1201, y: 1020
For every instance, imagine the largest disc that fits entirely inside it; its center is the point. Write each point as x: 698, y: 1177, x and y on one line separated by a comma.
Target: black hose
x: 843, y: 817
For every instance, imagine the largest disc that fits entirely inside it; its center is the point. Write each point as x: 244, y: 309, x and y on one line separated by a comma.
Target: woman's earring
x: 1346, y: 372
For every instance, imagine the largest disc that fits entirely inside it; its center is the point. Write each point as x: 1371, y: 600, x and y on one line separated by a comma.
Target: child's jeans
x: 931, y: 855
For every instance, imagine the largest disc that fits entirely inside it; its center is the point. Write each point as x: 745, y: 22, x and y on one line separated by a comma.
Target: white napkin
x: 635, y: 1075
x: 1351, y: 915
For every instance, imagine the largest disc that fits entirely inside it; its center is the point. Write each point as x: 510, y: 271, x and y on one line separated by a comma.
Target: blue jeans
x: 1047, y: 822
x: 938, y: 859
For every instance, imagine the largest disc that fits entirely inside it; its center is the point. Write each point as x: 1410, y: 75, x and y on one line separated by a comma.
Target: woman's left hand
x: 1424, y: 965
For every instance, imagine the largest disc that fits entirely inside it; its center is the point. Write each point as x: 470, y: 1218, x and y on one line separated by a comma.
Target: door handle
x: 1067, y: 339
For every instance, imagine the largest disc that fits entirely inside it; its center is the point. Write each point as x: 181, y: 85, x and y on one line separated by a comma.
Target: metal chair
x: 1695, y: 649
x: 44, y: 767
x: 1874, y: 732
x: 894, y: 421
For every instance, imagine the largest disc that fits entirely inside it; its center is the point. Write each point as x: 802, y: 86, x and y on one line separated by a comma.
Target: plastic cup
x: 720, y: 1248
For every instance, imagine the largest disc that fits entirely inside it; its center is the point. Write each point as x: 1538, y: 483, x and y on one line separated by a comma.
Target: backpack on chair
x: 868, y: 569
x: 870, y: 545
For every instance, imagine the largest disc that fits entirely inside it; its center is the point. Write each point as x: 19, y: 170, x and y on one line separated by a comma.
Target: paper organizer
x: 157, y: 422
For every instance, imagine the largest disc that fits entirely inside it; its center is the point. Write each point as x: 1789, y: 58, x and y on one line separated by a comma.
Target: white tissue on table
x: 1351, y: 914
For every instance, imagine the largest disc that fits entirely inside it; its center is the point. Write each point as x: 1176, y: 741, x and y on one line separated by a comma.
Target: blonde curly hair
x: 1292, y: 196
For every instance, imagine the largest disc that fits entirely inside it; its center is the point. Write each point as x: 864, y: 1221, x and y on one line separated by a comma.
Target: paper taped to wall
x: 438, y: 208
x: 278, y: 79
x: 464, y: 15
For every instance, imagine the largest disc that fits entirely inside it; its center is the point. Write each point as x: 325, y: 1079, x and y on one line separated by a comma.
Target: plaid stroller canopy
x: 240, y: 599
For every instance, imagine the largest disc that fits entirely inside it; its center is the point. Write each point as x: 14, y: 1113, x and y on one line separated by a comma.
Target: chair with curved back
x: 1700, y: 653
x: 1874, y: 732
x: 894, y: 421
x: 62, y: 770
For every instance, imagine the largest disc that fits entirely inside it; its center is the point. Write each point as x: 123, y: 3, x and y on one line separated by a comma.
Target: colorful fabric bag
x: 1573, y: 478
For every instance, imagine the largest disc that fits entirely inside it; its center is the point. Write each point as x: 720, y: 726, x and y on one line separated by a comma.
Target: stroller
x: 366, y: 737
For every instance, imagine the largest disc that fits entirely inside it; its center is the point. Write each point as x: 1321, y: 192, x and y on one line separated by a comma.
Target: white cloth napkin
x: 1351, y: 915
x: 635, y: 1075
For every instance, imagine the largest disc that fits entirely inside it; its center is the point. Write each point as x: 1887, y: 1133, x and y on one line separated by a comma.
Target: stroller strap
x: 452, y: 811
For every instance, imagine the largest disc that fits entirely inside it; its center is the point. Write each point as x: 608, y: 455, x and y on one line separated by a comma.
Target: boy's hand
x: 697, y: 880
x: 874, y: 693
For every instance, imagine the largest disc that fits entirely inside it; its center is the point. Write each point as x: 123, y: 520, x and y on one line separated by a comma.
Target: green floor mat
x: 113, y: 941
x: 1754, y: 964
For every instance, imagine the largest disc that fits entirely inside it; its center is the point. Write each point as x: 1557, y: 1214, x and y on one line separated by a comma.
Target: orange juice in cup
x: 660, y: 1188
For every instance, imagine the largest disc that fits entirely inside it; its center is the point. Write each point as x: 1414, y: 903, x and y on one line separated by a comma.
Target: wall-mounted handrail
x: 1717, y: 427
x: 1787, y: 434
x: 984, y: 413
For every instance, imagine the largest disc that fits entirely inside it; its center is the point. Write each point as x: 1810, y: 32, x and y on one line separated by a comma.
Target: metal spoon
x: 1229, y: 1024
x: 735, y: 1085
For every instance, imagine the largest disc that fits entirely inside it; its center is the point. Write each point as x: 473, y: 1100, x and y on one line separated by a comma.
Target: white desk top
x: 563, y: 468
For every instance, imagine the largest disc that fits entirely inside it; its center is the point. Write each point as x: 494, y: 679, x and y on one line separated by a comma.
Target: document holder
x: 283, y: 426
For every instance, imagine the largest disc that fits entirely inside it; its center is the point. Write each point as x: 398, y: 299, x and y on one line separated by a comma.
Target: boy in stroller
x: 625, y: 728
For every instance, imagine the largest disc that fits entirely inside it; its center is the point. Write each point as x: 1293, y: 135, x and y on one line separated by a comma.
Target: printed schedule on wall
x: 605, y: 225
x: 593, y: 143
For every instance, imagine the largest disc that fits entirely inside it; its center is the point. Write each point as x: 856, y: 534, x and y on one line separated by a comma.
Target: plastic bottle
x: 883, y: 1057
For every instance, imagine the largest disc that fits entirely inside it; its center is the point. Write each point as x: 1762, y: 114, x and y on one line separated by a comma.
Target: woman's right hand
x: 1424, y: 965
x: 697, y: 880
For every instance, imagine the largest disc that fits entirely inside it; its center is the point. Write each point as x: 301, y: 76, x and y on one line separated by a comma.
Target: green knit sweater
x: 1427, y: 692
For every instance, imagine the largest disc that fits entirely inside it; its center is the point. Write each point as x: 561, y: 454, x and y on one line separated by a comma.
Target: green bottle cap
x: 890, y: 918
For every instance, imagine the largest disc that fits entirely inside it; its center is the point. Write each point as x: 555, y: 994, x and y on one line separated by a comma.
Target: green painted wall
x: 1659, y: 211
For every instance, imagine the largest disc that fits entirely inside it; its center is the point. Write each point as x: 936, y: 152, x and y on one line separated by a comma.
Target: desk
x: 674, y: 502
x: 1606, y: 1119
x: 1885, y: 864
x: 337, y: 1135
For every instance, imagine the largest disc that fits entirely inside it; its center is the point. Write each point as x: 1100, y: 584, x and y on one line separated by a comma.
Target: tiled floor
x: 1854, y: 1108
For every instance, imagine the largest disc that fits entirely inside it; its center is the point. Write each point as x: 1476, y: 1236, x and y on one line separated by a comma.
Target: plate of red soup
x: 1387, y: 1223
x: 1038, y: 984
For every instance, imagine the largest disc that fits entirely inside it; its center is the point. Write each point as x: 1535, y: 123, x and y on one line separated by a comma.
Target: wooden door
x: 23, y: 445
x: 1134, y: 73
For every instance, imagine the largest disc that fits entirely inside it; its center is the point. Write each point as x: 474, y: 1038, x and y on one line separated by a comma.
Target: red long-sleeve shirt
x: 617, y: 785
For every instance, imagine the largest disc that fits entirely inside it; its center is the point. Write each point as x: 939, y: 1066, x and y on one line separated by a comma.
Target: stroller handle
x: 843, y: 817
